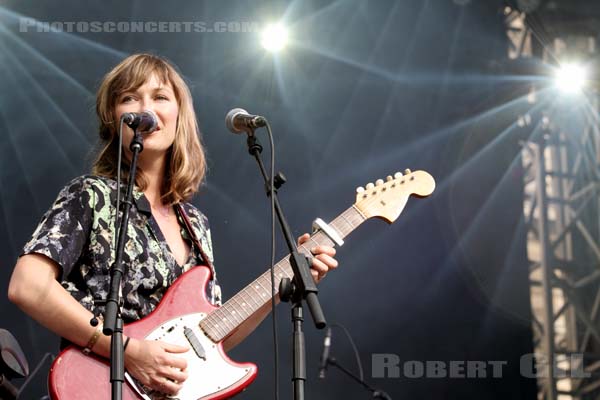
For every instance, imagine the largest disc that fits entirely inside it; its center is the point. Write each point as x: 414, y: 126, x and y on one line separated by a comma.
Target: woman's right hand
x: 155, y: 364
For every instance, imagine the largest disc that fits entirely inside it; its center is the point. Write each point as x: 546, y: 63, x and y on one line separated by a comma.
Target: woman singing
x: 63, y: 271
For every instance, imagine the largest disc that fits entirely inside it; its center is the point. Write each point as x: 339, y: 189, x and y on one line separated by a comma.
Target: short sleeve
x: 64, y: 229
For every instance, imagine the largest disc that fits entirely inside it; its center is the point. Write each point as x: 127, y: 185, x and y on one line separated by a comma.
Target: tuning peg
x: 407, y: 171
x: 370, y: 186
x: 398, y: 175
x: 360, y: 189
x: 388, y: 178
x: 379, y: 182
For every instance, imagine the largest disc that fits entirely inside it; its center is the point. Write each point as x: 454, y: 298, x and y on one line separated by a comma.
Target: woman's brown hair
x: 186, y: 162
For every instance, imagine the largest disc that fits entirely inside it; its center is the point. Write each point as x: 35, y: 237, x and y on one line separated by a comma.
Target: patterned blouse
x: 78, y: 233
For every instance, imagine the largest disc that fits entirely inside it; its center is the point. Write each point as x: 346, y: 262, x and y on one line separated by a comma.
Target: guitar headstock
x: 386, y: 199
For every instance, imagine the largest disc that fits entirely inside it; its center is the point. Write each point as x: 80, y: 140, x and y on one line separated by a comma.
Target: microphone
x: 325, y: 354
x: 144, y: 122
x: 238, y: 121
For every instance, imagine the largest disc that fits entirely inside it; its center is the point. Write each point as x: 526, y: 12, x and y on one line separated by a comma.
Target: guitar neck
x: 223, y: 321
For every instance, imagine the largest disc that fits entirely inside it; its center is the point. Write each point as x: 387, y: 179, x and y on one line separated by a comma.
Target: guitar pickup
x: 194, y: 342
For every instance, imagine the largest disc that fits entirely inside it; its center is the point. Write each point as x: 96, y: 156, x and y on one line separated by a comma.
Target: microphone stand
x: 377, y: 394
x: 113, y: 321
x: 302, y: 287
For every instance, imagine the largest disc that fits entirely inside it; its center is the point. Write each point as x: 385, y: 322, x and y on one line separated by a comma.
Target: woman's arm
x: 34, y: 288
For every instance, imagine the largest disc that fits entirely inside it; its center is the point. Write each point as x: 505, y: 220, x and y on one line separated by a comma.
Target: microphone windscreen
x: 230, y: 119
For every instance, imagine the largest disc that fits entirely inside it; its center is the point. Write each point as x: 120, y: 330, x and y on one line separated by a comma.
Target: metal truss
x: 562, y: 215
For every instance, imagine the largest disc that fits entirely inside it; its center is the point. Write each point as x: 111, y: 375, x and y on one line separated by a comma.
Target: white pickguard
x: 205, y: 376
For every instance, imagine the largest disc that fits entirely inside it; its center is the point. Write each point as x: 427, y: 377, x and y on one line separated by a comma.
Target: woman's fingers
x: 318, y: 266
x: 323, y: 258
x: 165, y: 385
x: 302, y: 239
x: 157, y: 364
x: 315, y: 274
x: 174, y: 348
x: 177, y: 362
x: 174, y: 361
x: 330, y: 251
x: 174, y: 374
x: 325, y: 261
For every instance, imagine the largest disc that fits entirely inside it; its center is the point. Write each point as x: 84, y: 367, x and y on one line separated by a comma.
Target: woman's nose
x: 146, y: 105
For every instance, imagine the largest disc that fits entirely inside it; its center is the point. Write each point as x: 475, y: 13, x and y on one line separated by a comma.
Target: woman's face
x: 159, y: 98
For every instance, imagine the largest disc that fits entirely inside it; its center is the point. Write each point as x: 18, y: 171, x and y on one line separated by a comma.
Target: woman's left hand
x: 323, y: 259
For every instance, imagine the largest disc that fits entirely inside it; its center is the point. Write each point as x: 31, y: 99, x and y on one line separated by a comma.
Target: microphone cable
x: 119, y: 159
x: 354, y: 348
x: 272, y: 264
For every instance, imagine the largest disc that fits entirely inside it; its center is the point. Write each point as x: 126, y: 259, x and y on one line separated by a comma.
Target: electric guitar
x: 185, y: 317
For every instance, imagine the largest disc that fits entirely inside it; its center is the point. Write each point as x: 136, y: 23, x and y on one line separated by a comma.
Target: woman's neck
x: 154, y: 172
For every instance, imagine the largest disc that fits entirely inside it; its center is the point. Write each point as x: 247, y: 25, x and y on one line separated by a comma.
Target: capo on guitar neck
x: 320, y: 225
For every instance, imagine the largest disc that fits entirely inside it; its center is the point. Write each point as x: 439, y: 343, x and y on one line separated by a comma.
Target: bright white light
x: 274, y: 37
x: 570, y: 78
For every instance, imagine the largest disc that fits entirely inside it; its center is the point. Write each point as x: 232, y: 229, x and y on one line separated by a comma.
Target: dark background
x: 364, y: 90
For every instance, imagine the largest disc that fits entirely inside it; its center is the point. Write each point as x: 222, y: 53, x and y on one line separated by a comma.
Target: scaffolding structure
x: 561, y: 208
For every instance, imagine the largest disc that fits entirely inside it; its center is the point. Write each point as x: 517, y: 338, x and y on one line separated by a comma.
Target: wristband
x: 90, y: 344
x: 126, y: 343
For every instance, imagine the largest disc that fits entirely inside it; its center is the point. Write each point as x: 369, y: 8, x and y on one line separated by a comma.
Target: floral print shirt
x: 78, y: 233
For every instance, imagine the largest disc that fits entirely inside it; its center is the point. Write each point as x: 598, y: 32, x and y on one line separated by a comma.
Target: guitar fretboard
x: 223, y: 321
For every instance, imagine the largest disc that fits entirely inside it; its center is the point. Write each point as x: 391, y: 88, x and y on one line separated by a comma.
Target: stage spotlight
x: 570, y: 78
x: 274, y: 37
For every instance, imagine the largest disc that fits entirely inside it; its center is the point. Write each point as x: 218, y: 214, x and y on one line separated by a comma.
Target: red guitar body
x: 75, y: 375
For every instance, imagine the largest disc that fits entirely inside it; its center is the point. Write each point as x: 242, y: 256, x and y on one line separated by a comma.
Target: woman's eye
x: 126, y: 99
x: 162, y: 97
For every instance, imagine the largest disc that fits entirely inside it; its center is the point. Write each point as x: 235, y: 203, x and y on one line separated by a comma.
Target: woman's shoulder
x: 84, y: 182
x: 89, y: 189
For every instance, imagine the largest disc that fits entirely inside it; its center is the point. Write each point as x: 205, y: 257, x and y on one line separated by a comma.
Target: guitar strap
x: 192, y: 233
